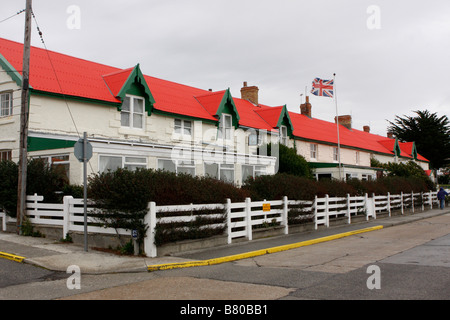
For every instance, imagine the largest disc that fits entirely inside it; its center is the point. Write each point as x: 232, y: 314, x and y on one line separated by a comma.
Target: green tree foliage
x: 290, y: 162
x: 430, y: 132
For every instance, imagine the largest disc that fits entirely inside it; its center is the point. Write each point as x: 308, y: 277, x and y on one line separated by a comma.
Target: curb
x: 11, y: 257
x: 257, y: 253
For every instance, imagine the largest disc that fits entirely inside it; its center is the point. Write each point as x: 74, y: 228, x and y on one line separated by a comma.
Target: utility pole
x: 24, y: 113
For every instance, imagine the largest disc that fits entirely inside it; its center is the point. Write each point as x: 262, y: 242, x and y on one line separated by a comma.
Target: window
x: 252, y: 171
x: 224, y: 172
x: 313, y: 151
x: 112, y: 163
x: 5, y: 155
x: 183, y: 127
x: 335, y: 154
x: 181, y: 166
x: 6, y: 108
x: 227, y: 172
x: 58, y: 161
x: 225, y: 126
x: 357, y: 157
x: 283, y: 135
x: 132, y: 115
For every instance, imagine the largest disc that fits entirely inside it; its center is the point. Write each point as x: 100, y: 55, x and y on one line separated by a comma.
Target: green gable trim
x: 40, y: 144
x: 227, y: 106
x: 414, y: 151
x: 13, y: 73
x: 137, y: 85
x: 285, y: 120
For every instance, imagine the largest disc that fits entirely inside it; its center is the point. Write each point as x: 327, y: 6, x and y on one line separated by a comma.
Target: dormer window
x: 226, y: 124
x: 132, y: 115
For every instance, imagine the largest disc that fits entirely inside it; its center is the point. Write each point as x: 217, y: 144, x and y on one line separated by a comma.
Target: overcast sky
x: 390, y: 57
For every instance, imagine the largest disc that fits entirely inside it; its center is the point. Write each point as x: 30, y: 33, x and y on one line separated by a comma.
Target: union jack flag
x: 323, y: 88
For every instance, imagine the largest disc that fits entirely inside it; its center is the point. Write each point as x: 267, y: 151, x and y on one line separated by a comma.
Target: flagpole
x: 337, y: 126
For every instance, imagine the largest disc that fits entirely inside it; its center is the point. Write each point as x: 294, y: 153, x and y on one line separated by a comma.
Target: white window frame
x: 220, y: 170
x: 335, y: 154
x: 225, y: 132
x: 183, y: 127
x: 257, y: 171
x: 125, y: 161
x: 179, y: 165
x: 52, y: 161
x: 357, y: 157
x: 313, y: 151
x: 6, y: 104
x: 132, y: 113
x: 283, y: 135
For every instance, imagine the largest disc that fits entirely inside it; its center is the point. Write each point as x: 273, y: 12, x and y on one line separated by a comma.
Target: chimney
x: 250, y: 93
x: 346, y: 121
x: 366, y: 129
x: 306, y: 107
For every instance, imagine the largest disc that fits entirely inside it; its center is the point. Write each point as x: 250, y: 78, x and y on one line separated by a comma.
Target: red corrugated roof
x: 86, y: 79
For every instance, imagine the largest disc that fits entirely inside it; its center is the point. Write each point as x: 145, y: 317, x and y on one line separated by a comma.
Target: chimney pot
x: 366, y: 129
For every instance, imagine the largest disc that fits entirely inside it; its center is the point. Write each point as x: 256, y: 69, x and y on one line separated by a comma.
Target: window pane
x: 247, y: 171
x: 135, y: 160
x: 110, y: 163
x: 166, y: 165
x: 212, y: 170
x: 126, y: 104
x: 138, y: 121
x: 125, y: 119
x: 187, y: 170
x: 138, y: 106
x: 227, y: 175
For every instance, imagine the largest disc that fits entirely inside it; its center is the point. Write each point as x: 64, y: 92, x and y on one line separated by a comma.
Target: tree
x: 430, y: 132
x: 290, y: 162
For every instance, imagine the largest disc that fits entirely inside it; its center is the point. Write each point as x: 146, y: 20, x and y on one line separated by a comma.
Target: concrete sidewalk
x: 57, y: 256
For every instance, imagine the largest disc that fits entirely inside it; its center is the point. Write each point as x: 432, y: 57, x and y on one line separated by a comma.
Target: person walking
x: 441, y: 197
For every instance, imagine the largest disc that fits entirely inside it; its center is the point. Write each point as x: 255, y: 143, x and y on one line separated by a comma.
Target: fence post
x: 412, y: 201
x: 248, y: 217
x: 228, y: 213
x: 421, y: 200
x: 348, y: 209
x: 374, y: 206
x: 431, y: 200
x: 315, y: 211
x: 389, y: 203
x: 285, y: 215
x: 66, y: 215
x: 366, y: 205
x: 401, y: 199
x: 327, y: 216
x: 149, y: 240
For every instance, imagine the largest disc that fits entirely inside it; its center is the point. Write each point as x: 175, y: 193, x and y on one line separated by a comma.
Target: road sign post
x: 83, y: 152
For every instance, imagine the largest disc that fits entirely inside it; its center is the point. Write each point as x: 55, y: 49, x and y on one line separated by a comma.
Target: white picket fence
x: 241, y: 218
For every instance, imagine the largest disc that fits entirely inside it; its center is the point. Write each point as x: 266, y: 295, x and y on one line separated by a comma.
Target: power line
x: 16, y: 14
x: 56, y: 75
x: 57, y: 80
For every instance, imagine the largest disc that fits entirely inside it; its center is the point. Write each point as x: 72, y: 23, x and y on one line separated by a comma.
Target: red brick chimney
x: 250, y: 93
x: 306, y: 107
x: 346, y: 121
x: 366, y: 129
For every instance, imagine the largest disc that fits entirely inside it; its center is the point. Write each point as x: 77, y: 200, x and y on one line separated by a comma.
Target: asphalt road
x: 409, y: 261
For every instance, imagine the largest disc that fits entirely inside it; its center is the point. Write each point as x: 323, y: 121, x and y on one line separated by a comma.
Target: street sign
x: 80, y: 152
x: 266, y: 207
x: 134, y: 233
